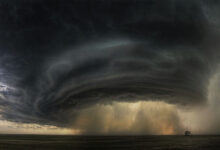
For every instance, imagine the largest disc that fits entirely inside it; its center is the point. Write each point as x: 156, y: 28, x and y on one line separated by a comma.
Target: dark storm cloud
x: 60, y: 56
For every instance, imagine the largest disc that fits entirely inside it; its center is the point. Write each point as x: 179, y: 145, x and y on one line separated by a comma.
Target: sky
x: 119, y: 67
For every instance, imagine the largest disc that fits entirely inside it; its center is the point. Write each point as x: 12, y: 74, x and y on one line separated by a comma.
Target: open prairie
x: 44, y: 142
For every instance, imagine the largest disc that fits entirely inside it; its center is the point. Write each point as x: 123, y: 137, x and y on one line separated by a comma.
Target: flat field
x: 49, y: 142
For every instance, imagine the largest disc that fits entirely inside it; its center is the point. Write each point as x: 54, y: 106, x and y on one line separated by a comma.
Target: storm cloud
x: 60, y: 57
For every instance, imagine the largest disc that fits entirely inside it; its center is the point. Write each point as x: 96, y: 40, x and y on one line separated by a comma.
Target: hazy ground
x: 109, y: 142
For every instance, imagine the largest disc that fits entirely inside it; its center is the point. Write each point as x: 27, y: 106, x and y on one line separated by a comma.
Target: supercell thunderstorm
x: 57, y: 58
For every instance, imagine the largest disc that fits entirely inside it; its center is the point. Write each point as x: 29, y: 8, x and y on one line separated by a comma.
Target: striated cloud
x: 58, y: 58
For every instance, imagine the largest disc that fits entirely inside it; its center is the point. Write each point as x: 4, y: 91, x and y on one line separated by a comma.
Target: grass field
x: 48, y: 142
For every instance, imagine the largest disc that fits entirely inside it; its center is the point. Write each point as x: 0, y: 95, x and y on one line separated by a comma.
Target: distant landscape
x: 49, y: 142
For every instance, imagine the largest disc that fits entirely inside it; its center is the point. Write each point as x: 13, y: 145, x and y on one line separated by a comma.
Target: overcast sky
x: 94, y: 66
